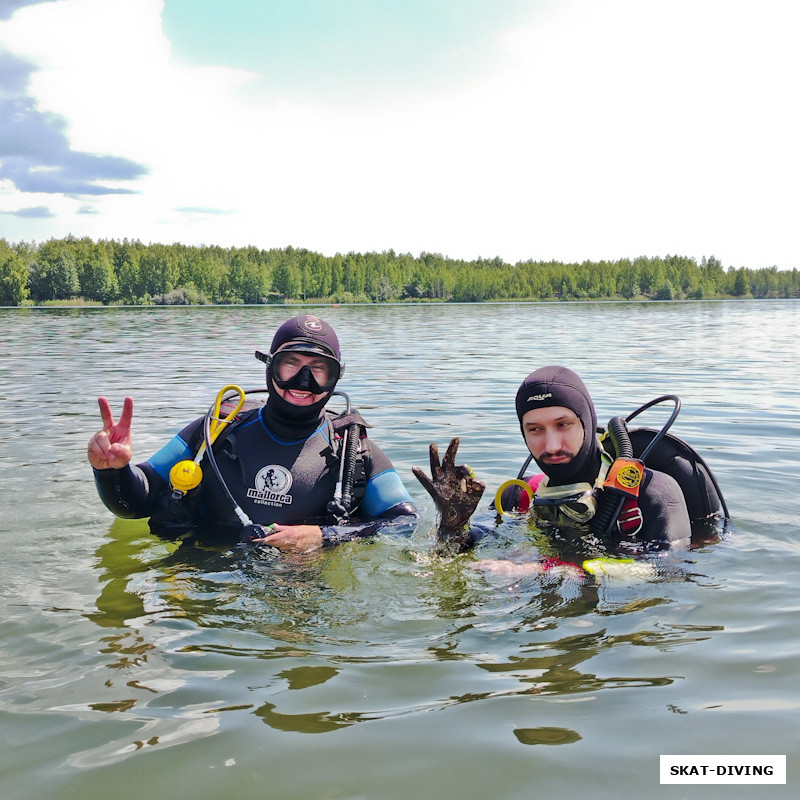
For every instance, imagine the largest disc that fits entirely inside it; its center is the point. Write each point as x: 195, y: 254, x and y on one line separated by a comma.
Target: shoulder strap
x: 245, y: 415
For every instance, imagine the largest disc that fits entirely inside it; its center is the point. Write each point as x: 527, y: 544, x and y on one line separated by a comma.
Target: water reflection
x: 318, y: 722
x: 126, y: 551
x: 324, y: 618
x: 546, y: 736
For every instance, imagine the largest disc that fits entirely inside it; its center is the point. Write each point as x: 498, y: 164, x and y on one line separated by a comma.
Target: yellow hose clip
x: 513, y: 482
x: 218, y: 424
x: 186, y: 475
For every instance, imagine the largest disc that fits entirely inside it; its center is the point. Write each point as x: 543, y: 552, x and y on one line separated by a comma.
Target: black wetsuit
x: 287, y: 479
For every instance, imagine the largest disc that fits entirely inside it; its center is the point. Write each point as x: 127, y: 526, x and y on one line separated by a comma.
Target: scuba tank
x: 665, y: 452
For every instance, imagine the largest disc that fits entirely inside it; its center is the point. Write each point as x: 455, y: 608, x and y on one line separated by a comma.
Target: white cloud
x: 609, y: 129
x: 113, y: 78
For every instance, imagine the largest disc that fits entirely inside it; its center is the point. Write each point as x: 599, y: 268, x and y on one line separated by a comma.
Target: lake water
x: 132, y: 668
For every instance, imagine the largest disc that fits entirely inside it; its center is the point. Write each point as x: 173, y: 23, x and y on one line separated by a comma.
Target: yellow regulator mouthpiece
x: 185, y: 475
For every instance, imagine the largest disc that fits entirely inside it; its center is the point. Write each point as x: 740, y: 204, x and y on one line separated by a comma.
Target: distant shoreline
x: 75, y: 272
x: 81, y: 305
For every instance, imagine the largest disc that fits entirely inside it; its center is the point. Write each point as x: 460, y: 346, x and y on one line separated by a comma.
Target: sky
x: 565, y: 130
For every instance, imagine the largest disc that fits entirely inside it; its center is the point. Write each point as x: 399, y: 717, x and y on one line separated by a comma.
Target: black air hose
x: 611, y: 503
x: 348, y: 476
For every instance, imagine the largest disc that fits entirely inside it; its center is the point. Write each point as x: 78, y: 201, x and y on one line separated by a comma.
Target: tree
x: 354, y: 274
x: 54, y: 273
x: 246, y: 280
x: 696, y: 291
x: 317, y: 276
x: 205, y: 269
x: 97, y: 278
x: 714, y: 276
x: 741, y: 283
x: 664, y: 292
x: 126, y: 266
x: 287, y: 279
x: 13, y: 277
x: 628, y: 280
x: 386, y: 291
x: 158, y: 270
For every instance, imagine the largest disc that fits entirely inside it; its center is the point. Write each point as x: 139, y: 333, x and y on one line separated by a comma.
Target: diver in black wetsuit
x: 559, y: 423
x: 279, y: 461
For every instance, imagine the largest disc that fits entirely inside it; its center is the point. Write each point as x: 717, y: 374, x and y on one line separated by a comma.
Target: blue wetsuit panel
x: 383, y: 491
x: 170, y: 454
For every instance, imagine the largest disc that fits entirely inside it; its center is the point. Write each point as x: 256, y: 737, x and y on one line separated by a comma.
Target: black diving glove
x: 456, y: 493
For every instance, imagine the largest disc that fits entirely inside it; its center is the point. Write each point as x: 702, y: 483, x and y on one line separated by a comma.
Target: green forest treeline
x: 73, y: 270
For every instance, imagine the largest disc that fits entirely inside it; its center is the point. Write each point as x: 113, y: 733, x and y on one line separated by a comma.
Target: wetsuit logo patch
x: 629, y: 476
x: 272, y: 486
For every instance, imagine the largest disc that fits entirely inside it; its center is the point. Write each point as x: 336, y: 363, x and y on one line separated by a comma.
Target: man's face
x: 290, y: 364
x: 554, y: 435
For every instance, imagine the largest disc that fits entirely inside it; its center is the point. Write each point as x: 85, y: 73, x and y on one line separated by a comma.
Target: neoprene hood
x: 559, y: 386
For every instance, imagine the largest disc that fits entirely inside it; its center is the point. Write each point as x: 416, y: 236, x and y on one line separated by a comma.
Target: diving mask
x: 304, y: 368
x: 576, y: 501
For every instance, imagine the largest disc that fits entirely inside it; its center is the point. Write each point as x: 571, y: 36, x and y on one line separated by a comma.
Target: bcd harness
x: 346, y: 434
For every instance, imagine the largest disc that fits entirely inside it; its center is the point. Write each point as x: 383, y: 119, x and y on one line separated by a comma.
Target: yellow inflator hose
x: 186, y: 475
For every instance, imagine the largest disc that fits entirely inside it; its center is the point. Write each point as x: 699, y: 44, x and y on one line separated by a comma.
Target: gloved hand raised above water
x: 455, y: 491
